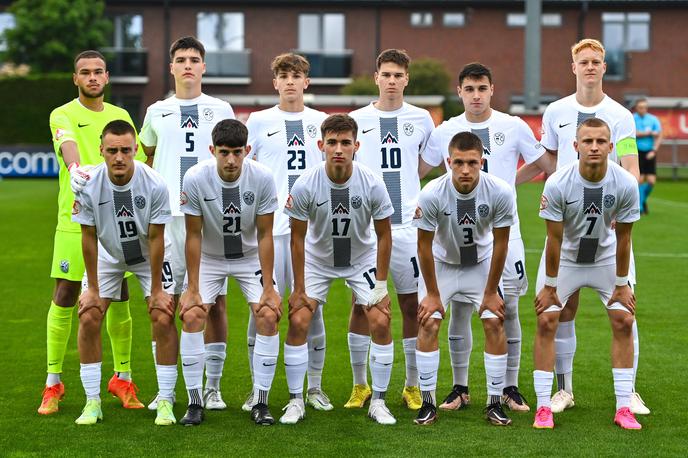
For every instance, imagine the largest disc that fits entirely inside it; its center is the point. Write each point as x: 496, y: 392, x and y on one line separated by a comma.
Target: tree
x: 49, y: 33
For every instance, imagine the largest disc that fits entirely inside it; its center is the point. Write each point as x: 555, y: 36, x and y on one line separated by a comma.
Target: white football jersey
x: 561, y: 119
x: 391, y: 142
x: 181, y: 130
x: 588, y: 209
x: 339, y: 215
x: 229, y: 209
x: 505, y: 138
x: 463, y: 223
x: 287, y: 143
x: 122, y: 214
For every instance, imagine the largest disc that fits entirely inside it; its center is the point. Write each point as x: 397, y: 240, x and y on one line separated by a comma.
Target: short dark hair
x: 290, y: 62
x: 339, y: 123
x: 465, y: 141
x: 89, y: 54
x: 230, y: 133
x: 395, y: 56
x: 593, y: 122
x: 640, y: 99
x: 118, y: 127
x: 187, y: 43
x: 474, y: 71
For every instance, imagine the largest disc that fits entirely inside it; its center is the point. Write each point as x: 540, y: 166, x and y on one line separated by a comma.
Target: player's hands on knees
x: 623, y: 295
x: 91, y: 299
x: 78, y: 176
x: 299, y: 300
x: 189, y: 300
x: 162, y: 301
x: 546, y: 298
x: 494, y: 303
x: 383, y: 305
x: 428, y: 306
x: 272, y: 300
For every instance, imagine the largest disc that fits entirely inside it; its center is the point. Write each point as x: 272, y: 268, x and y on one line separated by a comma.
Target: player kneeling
x: 581, y: 202
x: 122, y: 211
x: 463, y: 220
x: 228, y: 204
x: 334, y: 202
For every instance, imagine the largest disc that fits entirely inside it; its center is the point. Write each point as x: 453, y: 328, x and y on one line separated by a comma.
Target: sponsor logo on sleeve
x: 544, y: 203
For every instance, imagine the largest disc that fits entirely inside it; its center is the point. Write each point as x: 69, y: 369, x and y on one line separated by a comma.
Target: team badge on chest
x: 249, y: 197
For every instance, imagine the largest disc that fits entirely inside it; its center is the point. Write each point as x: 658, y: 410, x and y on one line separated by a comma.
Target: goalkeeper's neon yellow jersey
x: 76, y: 123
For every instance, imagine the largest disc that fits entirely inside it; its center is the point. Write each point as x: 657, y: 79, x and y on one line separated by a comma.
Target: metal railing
x: 228, y: 63
x: 329, y: 64
x: 126, y: 61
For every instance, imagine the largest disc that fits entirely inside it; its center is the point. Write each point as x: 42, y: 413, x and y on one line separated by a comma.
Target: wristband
x: 550, y: 281
x: 621, y: 281
x: 73, y: 165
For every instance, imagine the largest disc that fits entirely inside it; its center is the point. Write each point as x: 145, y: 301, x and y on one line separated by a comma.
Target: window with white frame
x: 322, y: 32
x: 626, y: 31
x: 127, y: 31
x: 546, y: 19
x: 221, y: 31
x: 454, y: 19
x: 421, y: 19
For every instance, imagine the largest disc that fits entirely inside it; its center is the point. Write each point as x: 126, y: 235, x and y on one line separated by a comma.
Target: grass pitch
x: 27, y: 222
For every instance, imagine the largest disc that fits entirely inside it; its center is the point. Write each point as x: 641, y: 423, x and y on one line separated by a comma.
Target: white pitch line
x: 645, y: 255
x: 671, y: 203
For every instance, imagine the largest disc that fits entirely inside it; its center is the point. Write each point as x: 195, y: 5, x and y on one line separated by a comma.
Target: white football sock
x: 636, y: 351
x: 428, y: 364
x: 542, y: 382
x: 460, y: 341
x: 126, y: 376
x: 192, y: 352
x: 495, y: 372
x: 215, y: 355
x: 90, y: 379
x: 565, y: 348
x: 167, y: 379
x: 264, y: 364
x: 623, y: 386
x: 358, y: 352
x: 512, y: 329
x: 316, y: 349
x: 296, y: 364
x: 251, y: 341
x: 411, y: 365
x: 381, y: 359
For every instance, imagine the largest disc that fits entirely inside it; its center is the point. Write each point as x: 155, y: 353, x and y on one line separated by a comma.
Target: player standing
x: 123, y: 210
x: 580, y: 203
x: 559, y: 123
x: 229, y: 205
x: 463, y: 220
x: 649, y: 138
x: 176, y: 135
x: 392, y: 134
x: 505, y: 139
x: 335, y: 202
x: 285, y: 139
x: 76, y: 127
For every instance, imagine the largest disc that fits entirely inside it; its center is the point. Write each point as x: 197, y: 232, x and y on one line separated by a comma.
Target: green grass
x: 27, y: 220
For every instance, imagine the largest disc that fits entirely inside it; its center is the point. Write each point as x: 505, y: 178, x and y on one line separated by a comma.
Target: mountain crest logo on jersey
x: 295, y: 141
x: 389, y: 138
x: 592, y: 209
x: 124, y: 212
x: 189, y: 116
x: 466, y: 219
x: 340, y: 209
x: 231, y: 208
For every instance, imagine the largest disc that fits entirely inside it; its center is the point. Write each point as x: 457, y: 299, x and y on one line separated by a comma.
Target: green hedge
x: 27, y: 102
